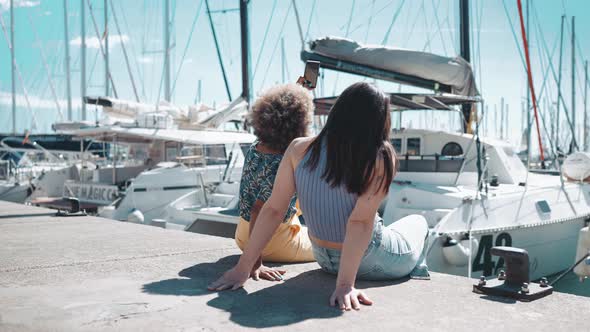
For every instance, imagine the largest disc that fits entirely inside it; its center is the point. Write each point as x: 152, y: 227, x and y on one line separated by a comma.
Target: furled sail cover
x: 455, y: 72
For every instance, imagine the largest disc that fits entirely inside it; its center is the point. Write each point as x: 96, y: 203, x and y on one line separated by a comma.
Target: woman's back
x: 326, y: 209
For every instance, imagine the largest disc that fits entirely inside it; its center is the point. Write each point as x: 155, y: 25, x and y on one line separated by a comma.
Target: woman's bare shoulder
x: 297, y: 149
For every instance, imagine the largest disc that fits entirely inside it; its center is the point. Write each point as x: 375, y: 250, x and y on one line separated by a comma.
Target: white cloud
x: 5, y: 4
x: 145, y: 59
x: 94, y: 42
x: 188, y: 60
x: 36, y: 102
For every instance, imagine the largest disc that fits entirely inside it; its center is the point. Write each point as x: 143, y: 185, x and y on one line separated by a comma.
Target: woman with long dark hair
x: 341, y: 176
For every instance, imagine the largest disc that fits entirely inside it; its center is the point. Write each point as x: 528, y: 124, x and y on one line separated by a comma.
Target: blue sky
x: 429, y: 25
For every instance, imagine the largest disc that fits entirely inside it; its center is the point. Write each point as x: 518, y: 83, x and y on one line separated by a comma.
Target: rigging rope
x: 345, y: 36
x: 560, y: 95
x: 276, y: 44
x: 132, y: 51
x: 531, y: 84
x: 100, y: 43
x: 46, y: 66
x: 309, y: 21
x: 439, y: 26
x: 272, y: 14
x: 393, y: 20
x: 188, y: 42
x: 124, y: 52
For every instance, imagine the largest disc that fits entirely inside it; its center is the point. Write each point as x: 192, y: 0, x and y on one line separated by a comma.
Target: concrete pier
x: 93, y: 274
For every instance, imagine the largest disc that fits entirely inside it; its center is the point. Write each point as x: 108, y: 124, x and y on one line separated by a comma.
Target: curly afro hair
x: 281, y: 114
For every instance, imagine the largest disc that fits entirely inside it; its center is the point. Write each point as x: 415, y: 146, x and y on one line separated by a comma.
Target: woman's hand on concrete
x: 231, y: 279
x: 348, y: 297
x: 267, y: 273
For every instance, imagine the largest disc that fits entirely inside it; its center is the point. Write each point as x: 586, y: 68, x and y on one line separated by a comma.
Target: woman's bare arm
x: 358, y: 235
x: 269, y: 219
x: 259, y: 270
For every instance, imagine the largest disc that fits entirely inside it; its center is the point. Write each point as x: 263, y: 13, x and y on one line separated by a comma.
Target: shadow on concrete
x: 27, y: 215
x: 300, y: 297
x: 506, y: 300
x: 213, y: 228
x: 195, y: 279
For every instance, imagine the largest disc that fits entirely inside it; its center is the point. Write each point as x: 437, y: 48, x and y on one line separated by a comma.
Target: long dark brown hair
x: 357, y: 136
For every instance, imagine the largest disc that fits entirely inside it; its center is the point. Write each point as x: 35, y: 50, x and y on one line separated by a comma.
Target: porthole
x: 452, y: 149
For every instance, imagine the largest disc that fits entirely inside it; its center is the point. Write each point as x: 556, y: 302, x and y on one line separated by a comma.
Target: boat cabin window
x: 397, y: 145
x: 245, y: 147
x: 451, y: 149
x: 413, y: 146
x: 215, y: 154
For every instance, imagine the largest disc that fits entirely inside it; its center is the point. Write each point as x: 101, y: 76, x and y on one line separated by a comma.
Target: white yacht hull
x: 14, y: 192
x: 541, y: 219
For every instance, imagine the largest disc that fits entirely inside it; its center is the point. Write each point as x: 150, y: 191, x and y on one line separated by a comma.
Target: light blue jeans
x: 395, y: 251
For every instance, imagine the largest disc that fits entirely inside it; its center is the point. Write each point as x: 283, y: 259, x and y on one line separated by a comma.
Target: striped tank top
x: 326, y: 209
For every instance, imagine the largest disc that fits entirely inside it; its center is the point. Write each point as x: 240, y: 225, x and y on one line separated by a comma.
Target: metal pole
x: 106, y: 49
x: 282, y: 60
x: 167, y: 95
x: 575, y: 133
x: 83, y: 57
x: 198, y: 100
x: 507, y: 122
x: 559, y: 84
x: 502, y: 119
x: 465, y: 52
x: 586, y: 105
x: 218, y: 52
x: 12, y: 67
x: 496, y: 121
x: 245, y: 41
x: 528, y: 97
x: 67, y: 60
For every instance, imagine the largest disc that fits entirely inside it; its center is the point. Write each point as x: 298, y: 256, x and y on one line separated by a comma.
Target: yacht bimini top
x: 407, y: 101
x: 420, y: 69
x: 146, y: 135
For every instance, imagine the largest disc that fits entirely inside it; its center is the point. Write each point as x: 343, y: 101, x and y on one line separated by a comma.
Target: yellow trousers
x: 289, y: 244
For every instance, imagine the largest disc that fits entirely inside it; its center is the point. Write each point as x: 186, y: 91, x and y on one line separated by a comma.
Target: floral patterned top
x: 258, y: 177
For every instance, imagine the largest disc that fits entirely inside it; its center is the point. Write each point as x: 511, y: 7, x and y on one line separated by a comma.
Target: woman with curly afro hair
x: 281, y: 114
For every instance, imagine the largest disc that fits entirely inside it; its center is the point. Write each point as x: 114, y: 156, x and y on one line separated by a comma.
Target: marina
x: 121, y: 205
x: 80, y: 276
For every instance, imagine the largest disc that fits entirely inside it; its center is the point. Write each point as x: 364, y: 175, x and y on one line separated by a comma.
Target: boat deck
x: 88, y: 273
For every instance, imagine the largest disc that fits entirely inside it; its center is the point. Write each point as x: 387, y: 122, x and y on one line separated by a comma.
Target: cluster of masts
x: 109, y: 84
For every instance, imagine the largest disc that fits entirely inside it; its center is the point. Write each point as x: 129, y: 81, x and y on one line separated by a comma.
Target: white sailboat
x: 474, y: 191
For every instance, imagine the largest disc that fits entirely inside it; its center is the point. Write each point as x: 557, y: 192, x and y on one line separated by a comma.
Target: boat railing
x: 430, y: 163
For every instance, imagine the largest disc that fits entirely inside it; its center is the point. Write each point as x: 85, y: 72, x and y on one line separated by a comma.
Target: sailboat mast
x: 67, y: 60
x: 559, y: 83
x: 586, y: 105
x: 574, y: 76
x: 12, y: 67
x: 167, y: 95
x: 106, y: 49
x: 528, y: 97
x: 83, y: 56
x: 465, y: 51
x: 219, y: 58
x: 502, y: 119
x: 245, y: 41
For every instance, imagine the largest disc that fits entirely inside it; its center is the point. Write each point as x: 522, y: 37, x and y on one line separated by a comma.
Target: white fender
x: 135, y: 216
x: 583, y: 269
x: 457, y: 253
